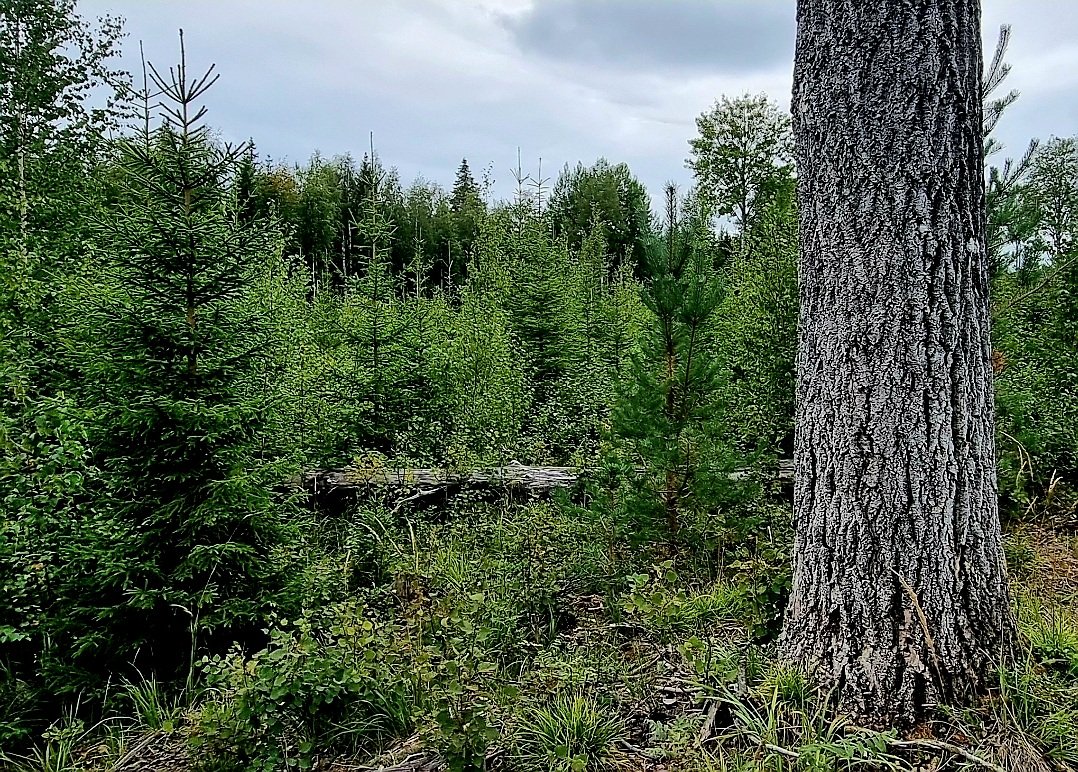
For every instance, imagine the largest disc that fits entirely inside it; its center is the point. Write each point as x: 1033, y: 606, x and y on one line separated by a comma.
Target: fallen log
x: 425, y: 483
x: 535, y: 479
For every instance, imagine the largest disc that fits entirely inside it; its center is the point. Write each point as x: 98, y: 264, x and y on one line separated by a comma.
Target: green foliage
x: 664, y: 606
x: 468, y: 210
x: 463, y: 735
x: 1020, y: 554
x: 60, y: 750
x: 1035, y: 331
x: 519, y: 565
x: 1041, y: 706
x: 789, y: 735
x: 329, y: 681
x: 462, y: 671
x: 789, y: 685
x: 57, y: 97
x: 485, y: 398
x: 606, y: 198
x: 757, y: 330
x: 50, y: 534
x: 1052, y: 186
x: 743, y: 146
x: 540, y: 316
x: 184, y: 329
x: 664, y: 419
x: 171, y: 341
x: 323, y: 208
x: 152, y: 707
x: 1051, y: 634
x: 716, y: 662
x: 676, y: 738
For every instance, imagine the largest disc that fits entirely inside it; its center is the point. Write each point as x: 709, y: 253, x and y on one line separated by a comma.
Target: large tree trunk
x: 899, y: 598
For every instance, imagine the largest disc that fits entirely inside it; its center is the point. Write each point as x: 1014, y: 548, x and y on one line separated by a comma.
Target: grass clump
x: 1050, y: 632
x: 154, y: 706
x: 1040, y: 706
x: 1020, y: 554
x: 569, y: 734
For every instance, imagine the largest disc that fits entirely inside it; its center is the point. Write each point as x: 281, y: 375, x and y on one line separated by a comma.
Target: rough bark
x: 899, y: 597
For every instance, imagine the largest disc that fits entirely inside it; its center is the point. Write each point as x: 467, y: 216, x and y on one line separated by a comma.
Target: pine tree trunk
x: 899, y: 597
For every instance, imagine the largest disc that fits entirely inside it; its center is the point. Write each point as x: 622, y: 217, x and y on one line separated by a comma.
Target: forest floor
x: 579, y: 655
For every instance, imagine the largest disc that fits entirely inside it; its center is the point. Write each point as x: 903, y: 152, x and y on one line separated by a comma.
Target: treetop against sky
x: 564, y: 80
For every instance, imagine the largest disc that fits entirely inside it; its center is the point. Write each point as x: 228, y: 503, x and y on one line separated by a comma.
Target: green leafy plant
x: 463, y: 733
x: 461, y: 682
x: 716, y: 663
x: 326, y: 682
x: 660, y: 602
x: 674, y: 738
x: 61, y: 748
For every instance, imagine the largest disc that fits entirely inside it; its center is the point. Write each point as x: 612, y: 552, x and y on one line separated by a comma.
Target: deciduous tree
x: 607, y: 194
x: 741, y: 152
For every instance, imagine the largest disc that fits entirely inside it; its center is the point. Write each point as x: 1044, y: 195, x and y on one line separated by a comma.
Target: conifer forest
x: 306, y: 466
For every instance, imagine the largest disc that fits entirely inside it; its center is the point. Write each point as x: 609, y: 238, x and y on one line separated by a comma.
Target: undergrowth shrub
x: 56, y: 548
x: 662, y: 603
x: 522, y: 563
x: 339, y: 681
x: 461, y: 652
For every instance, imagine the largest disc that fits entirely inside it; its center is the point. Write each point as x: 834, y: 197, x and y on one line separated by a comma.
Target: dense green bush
x: 335, y: 681
x: 1036, y: 326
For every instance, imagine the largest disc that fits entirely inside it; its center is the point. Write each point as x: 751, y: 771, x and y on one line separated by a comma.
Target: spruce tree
x: 172, y: 342
x: 468, y: 209
x: 465, y: 194
x: 541, y: 305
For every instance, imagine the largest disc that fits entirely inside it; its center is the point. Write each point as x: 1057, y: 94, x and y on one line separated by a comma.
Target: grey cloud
x: 732, y: 36
x: 568, y: 80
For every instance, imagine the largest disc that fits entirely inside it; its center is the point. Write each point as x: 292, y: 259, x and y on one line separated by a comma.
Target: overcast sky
x: 563, y: 80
